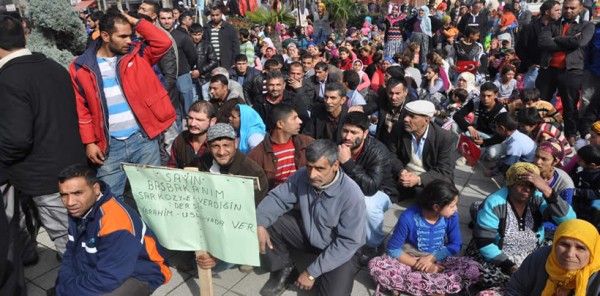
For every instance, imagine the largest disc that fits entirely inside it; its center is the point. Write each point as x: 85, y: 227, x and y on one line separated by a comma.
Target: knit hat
x: 554, y: 147
x: 221, y: 130
x: 421, y: 107
x: 596, y: 127
x: 520, y: 168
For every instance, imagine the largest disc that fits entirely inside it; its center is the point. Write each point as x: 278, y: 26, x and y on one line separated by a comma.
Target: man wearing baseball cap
x: 421, y: 150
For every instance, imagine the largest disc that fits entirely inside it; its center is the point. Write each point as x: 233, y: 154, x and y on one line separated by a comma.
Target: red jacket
x: 143, y: 91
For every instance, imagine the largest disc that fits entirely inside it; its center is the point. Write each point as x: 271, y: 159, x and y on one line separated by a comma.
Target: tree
x: 272, y: 18
x: 58, y: 32
x: 341, y: 11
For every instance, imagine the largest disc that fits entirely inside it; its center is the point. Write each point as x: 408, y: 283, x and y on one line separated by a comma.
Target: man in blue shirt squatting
x: 330, y: 223
x: 110, y: 250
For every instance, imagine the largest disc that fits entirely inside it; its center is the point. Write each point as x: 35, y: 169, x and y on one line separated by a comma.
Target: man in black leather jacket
x: 367, y: 161
x: 207, y: 58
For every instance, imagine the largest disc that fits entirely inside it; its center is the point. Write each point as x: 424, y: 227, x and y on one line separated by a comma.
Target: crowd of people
x: 335, y: 124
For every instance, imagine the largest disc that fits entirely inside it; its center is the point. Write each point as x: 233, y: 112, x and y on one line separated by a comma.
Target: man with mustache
x: 192, y: 143
x: 366, y: 160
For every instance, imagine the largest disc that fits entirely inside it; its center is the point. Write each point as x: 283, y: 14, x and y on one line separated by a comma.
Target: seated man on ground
x: 420, y: 150
x: 191, y: 143
x: 366, y: 160
x: 326, y: 117
x: 483, y: 128
x: 329, y: 222
x: 110, y: 249
x: 225, y: 158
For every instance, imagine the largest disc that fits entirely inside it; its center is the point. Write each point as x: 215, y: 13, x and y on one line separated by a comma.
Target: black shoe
x: 366, y: 254
x: 278, y: 281
x: 31, y: 261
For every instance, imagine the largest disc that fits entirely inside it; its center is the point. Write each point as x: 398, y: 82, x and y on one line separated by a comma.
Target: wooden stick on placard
x: 204, y: 275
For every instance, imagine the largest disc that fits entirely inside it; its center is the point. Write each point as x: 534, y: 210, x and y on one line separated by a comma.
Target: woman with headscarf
x: 466, y: 81
x: 394, y: 34
x: 321, y: 24
x: 357, y: 65
x: 509, y: 223
x: 249, y: 126
x: 548, y: 157
x: 421, y: 32
x: 569, y: 267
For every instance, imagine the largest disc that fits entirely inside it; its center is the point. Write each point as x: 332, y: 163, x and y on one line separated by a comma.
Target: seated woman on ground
x: 548, y: 157
x: 508, y: 224
x: 569, y: 267
x: 421, y: 253
x: 248, y: 125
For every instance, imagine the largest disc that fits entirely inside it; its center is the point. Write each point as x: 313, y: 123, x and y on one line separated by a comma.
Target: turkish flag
x: 469, y: 150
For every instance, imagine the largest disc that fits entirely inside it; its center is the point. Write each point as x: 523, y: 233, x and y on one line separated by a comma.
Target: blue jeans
x: 185, y: 86
x: 136, y: 149
x: 530, y: 77
x: 377, y: 205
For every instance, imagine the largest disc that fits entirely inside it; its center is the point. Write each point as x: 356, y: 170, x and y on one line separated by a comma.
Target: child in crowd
x: 449, y: 107
x: 420, y: 254
x: 530, y: 98
x: 532, y: 124
x: 345, y: 59
x: 507, y: 85
x: 586, y: 200
x: 519, y: 147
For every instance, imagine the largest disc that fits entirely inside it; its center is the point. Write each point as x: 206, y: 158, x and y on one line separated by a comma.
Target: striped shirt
x: 214, y: 40
x: 247, y: 48
x: 121, y: 122
x: 286, y: 166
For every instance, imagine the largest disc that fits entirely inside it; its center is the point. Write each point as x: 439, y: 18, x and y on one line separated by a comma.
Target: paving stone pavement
x: 472, y: 184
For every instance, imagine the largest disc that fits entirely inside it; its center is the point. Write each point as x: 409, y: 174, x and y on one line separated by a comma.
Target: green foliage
x: 36, y: 42
x: 342, y: 9
x: 57, y: 22
x: 263, y: 16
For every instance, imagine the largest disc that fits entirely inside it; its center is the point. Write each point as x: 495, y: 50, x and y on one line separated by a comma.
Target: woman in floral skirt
x: 420, y: 254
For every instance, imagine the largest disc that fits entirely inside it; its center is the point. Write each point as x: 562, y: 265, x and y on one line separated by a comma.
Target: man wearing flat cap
x: 225, y: 158
x: 421, y: 151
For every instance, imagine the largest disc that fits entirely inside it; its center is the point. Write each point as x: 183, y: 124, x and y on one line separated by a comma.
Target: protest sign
x: 192, y: 211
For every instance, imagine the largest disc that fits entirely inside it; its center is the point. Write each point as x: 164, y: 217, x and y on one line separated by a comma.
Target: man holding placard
x: 330, y: 223
x: 225, y: 158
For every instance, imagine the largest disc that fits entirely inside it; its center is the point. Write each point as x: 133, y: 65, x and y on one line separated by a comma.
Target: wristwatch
x: 310, y: 277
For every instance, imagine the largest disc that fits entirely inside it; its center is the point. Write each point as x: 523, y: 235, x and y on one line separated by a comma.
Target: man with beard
x: 420, y: 150
x: 366, y: 160
x: 114, y: 113
x: 191, y: 144
x: 284, y: 150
